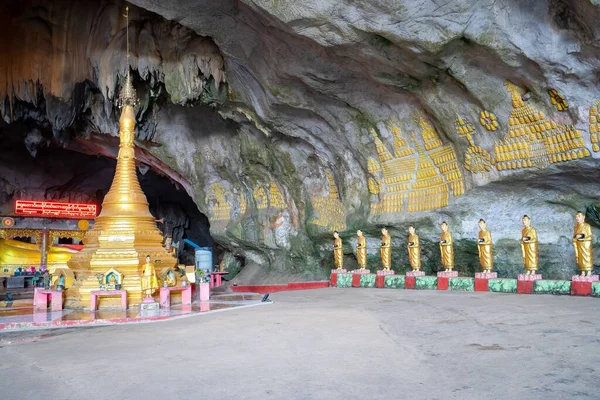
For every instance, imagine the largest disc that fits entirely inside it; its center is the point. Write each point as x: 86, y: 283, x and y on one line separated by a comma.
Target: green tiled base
x: 344, y: 280
x: 426, y: 282
x: 461, y: 284
x: 551, y: 287
x: 367, y: 280
x: 596, y: 289
x: 394, y: 281
x: 502, y: 285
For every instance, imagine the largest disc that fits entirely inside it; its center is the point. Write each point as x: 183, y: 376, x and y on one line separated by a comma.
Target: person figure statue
x: 149, y: 281
x: 414, y: 249
x: 386, y: 249
x: 446, y: 248
x: 361, y: 250
x: 529, y: 246
x: 338, y: 251
x: 484, y: 245
x: 582, y: 242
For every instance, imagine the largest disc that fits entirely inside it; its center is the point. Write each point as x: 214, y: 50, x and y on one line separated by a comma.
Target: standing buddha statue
x: 484, y: 245
x: 446, y: 247
x: 338, y: 251
x: 149, y: 281
x: 386, y: 249
x: 582, y: 242
x: 361, y: 250
x: 529, y: 246
x: 414, y: 249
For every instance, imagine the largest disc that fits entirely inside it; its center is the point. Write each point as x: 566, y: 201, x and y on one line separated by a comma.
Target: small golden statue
x: 414, y: 250
x: 149, y: 281
x: 484, y: 245
x: 529, y: 246
x: 386, y: 249
x: 446, y: 248
x: 361, y: 250
x: 582, y: 242
x: 338, y: 251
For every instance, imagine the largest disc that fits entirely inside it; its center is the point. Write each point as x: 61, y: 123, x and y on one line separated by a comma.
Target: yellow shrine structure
x: 125, y: 231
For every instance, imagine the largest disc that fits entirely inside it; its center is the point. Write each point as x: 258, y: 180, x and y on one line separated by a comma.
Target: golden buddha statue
x: 446, y: 248
x: 414, y: 249
x: 338, y: 251
x: 484, y: 245
x: 15, y: 252
x: 149, y: 281
x: 582, y: 242
x: 386, y: 249
x: 529, y: 246
x: 361, y: 249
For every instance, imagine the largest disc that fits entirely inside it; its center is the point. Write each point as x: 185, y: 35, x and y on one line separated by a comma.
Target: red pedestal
x: 356, y: 280
x: 525, y: 287
x: 443, y: 283
x: 409, y: 282
x: 333, y: 279
x: 481, y: 285
x: 581, y: 288
x: 379, y: 281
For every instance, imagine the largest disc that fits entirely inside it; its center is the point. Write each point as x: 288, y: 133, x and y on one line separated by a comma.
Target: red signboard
x: 53, y: 209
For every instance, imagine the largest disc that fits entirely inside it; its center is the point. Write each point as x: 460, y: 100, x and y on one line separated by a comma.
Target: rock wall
x: 287, y: 120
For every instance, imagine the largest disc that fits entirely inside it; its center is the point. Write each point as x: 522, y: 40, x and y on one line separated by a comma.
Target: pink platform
x: 578, y: 278
x: 204, y: 291
x: 216, y: 278
x: 338, y: 271
x: 384, y: 272
x: 94, y: 294
x: 525, y: 277
x: 486, y: 275
x: 447, y: 274
x: 361, y: 271
x: 40, y: 299
x: 165, y: 295
x: 415, y: 273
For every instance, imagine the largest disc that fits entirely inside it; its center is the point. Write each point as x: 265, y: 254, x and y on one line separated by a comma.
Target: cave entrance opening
x: 59, y: 174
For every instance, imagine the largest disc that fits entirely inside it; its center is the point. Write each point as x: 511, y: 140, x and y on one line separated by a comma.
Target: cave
x: 275, y: 126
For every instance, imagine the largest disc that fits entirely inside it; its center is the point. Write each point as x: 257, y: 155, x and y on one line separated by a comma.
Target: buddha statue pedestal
x: 380, y: 278
x: 443, y: 279
x: 356, y: 274
x: 525, y: 282
x: 481, y: 280
x: 334, y: 275
x: 409, y: 281
x: 582, y: 285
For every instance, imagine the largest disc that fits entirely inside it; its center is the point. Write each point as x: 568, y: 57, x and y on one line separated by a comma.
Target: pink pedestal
x: 415, y: 273
x: 578, y: 278
x: 361, y: 271
x: 94, y: 294
x: 338, y: 271
x: 204, y: 294
x: 384, y: 272
x: 525, y: 277
x: 447, y: 274
x: 40, y: 299
x: 215, y: 278
x: 486, y: 275
x: 165, y: 295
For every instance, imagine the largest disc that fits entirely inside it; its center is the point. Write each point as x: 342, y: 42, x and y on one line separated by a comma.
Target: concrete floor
x: 325, y: 344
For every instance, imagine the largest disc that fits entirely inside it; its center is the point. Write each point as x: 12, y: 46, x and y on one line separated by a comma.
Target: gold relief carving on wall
x: 488, y: 120
x: 218, y: 206
x: 330, y: 210
x: 260, y: 196
x: 477, y: 160
x: 414, y: 178
x: 534, y: 141
x: 270, y: 197
x: 275, y: 197
x: 595, y: 126
x: 558, y: 100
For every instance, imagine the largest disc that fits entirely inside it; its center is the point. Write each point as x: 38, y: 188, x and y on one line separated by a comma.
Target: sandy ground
x: 325, y: 344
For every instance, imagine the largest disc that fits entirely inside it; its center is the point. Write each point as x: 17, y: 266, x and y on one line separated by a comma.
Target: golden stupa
x: 125, y: 231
